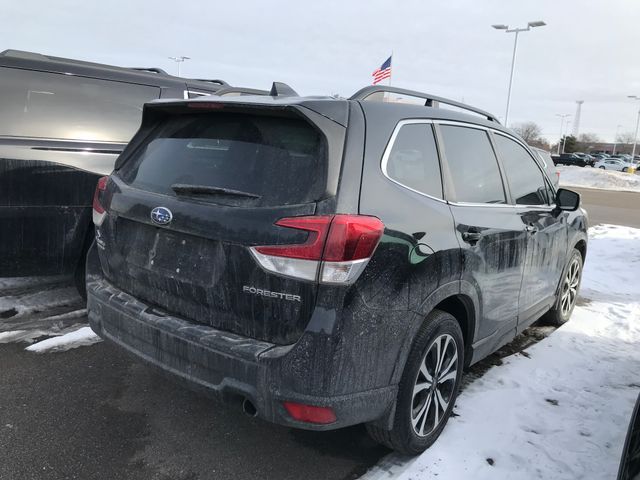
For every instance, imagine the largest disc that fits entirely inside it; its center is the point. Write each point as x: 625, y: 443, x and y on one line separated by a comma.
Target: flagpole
x: 391, y: 65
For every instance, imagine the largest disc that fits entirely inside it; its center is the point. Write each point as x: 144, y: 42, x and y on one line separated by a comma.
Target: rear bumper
x: 217, y: 363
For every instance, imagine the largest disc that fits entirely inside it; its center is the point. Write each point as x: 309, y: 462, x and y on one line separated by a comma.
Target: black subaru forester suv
x: 329, y: 261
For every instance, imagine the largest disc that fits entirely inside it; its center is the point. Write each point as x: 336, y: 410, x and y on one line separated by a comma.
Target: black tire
x: 559, y: 314
x: 603, y: 168
x: 79, y: 274
x: 79, y: 278
x: 625, y: 169
x: 404, y: 438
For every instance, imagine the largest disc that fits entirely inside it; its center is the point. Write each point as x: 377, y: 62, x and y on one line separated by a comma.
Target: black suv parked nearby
x: 574, y: 159
x: 329, y: 261
x: 62, y: 124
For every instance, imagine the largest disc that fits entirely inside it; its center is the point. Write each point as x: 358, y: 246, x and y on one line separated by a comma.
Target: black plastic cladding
x: 351, y: 350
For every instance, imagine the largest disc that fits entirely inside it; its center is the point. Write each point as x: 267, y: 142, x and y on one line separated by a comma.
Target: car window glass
x: 280, y: 161
x: 475, y: 177
x: 413, y: 159
x: 50, y: 105
x: 525, y: 179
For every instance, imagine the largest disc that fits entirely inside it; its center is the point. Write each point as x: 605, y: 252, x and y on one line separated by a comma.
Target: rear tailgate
x: 226, y: 175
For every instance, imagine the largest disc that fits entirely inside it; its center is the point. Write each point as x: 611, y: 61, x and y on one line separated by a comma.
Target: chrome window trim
x: 491, y: 205
x: 389, y: 147
x: 549, y: 208
x: 401, y: 123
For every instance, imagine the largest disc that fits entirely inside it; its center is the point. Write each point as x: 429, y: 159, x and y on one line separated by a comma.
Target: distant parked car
x: 575, y: 159
x: 615, y: 164
x: 599, y: 156
x: 63, y: 123
x: 549, y: 165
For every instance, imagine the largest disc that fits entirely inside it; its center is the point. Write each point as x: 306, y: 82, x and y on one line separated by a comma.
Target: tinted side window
x: 50, y: 105
x: 473, y: 167
x: 413, y: 160
x: 523, y: 175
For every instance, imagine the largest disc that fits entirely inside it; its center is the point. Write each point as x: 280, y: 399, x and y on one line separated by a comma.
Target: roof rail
x: 241, y: 91
x: 431, y: 100
x: 150, y: 69
x: 219, y: 82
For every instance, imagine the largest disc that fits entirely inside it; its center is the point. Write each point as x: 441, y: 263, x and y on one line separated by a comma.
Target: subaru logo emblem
x: 161, y: 215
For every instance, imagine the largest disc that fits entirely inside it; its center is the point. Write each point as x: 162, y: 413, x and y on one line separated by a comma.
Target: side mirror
x: 567, y: 200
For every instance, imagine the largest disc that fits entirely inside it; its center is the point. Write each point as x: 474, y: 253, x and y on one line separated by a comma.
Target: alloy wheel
x: 570, y: 287
x: 435, y: 385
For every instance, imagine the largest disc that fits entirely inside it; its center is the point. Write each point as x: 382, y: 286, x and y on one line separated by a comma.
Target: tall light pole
x: 564, y: 141
x: 517, y: 31
x: 615, y: 139
x: 562, y: 117
x: 179, y: 60
x: 635, y: 135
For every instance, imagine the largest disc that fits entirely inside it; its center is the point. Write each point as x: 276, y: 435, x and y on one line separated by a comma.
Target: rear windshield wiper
x: 181, y: 188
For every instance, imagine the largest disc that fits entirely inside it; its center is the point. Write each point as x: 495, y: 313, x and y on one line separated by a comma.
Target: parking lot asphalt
x: 606, y: 206
x: 95, y: 413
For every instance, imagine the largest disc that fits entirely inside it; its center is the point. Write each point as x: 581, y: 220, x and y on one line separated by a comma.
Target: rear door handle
x: 471, y: 237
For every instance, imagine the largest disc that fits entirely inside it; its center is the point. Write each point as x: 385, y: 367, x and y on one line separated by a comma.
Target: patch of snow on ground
x: 572, y: 176
x: 36, y: 307
x: 78, y: 338
x: 563, y: 411
x: 23, y: 304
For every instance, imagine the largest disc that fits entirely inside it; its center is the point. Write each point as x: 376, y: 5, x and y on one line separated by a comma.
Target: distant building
x: 597, y: 147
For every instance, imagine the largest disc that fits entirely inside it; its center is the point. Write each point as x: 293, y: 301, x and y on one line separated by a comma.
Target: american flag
x: 383, y: 72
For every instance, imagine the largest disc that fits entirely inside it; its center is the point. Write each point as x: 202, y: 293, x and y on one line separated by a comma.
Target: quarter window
x: 526, y: 181
x: 413, y: 160
x: 473, y: 168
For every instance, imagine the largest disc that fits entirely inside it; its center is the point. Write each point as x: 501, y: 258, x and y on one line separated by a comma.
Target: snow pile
x: 562, y: 410
x: 571, y: 176
x: 78, y: 338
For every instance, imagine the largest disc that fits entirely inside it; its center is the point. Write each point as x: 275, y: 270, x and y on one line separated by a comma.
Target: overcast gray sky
x: 589, y: 50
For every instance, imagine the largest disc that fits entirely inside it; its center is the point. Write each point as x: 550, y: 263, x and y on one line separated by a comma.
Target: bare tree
x: 588, y: 138
x: 625, y: 138
x: 529, y: 131
x: 541, y: 143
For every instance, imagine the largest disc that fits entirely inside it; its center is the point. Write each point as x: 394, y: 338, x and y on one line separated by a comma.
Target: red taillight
x: 317, y: 226
x: 98, y: 209
x: 352, y: 237
x: 310, y: 413
x: 338, y: 247
x: 206, y: 105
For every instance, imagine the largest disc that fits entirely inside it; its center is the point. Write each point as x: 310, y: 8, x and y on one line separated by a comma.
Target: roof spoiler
x: 240, y: 91
x: 279, y: 89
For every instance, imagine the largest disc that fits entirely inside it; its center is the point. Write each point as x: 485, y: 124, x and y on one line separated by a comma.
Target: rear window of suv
x: 275, y: 160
